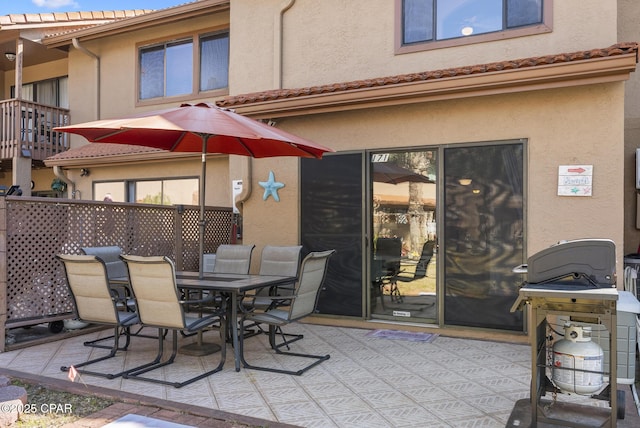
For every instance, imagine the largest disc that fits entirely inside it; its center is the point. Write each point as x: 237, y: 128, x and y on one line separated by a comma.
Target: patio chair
x: 303, y: 302
x: 230, y: 258
x: 280, y: 261
x: 118, y: 281
x: 110, y: 255
x: 274, y: 260
x: 95, y: 303
x: 233, y: 259
x: 153, y: 282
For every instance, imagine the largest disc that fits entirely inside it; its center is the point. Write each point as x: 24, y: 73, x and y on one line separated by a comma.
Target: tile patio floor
x: 367, y: 382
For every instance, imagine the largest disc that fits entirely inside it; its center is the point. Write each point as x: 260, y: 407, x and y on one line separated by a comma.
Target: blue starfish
x: 271, y: 187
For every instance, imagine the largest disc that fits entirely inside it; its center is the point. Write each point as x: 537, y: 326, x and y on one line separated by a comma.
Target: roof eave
x: 557, y: 75
x: 122, y: 159
x: 152, y: 19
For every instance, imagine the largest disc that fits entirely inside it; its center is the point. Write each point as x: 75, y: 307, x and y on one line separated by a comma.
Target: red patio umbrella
x: 198, y: 128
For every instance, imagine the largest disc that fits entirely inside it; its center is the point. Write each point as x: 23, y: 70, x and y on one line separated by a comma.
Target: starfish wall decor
x: 271, y: 187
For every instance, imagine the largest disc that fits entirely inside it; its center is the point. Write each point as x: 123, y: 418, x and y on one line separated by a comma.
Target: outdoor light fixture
x: 84, y: 172
x: 464, y: 181
x: 11, y: 56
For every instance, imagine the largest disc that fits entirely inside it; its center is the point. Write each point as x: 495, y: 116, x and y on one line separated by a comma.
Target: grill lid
x: 588, y: 261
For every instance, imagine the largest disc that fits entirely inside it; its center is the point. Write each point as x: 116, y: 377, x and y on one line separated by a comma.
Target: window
x: 181, y: 191
x: 442, y: 23
x: 52, y: 92
x: 214, y: 62
x: 167, y: 69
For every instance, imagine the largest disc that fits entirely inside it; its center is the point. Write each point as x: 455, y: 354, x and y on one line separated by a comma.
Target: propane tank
x: 574, y: 353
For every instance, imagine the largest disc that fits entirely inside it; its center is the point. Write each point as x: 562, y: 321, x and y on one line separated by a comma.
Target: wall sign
x: 575, y: 180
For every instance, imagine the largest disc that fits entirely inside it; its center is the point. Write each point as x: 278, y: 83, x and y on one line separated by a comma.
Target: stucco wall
x: 323, y: 43
x: 218, y: 191
x: 582, y: 125
x: 35, y: 73
x: 118, y: 59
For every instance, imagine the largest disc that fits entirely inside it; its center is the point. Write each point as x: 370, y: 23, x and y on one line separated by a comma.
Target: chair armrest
x: 280, y: 300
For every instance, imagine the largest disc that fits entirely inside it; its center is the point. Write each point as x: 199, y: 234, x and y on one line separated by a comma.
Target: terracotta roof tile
x: 276, y: 94
x: 60, y: 17
x: 95, y: 150
x: 106, y: 150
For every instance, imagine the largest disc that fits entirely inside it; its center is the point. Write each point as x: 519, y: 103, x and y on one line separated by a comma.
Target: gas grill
x: 575, y: 280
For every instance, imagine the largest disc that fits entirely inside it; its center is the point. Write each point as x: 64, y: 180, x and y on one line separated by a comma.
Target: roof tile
x: 105, y: 149
x: 52, y: 17
x: 98, y: 150
x: 619, y: 49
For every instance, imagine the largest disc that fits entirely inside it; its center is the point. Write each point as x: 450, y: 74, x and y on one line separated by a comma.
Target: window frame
x: 195, y: 39
x: 129, y: 187
x: 546, y: 26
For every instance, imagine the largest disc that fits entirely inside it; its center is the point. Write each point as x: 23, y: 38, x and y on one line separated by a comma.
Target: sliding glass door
x: 427, y: 235
x: 404, y: 258
x: 483, y: 234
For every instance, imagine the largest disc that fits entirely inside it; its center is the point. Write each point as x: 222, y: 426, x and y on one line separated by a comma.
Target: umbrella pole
x: 203, y: 224
x: 199, y: 348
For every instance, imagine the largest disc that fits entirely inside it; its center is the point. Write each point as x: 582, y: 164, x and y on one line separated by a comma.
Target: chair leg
x: 126, y: 331
x: 135, y: 374
x: 272, y: 332
x: 378, y: 291
x: 114, y: 349
x: 394, y: 292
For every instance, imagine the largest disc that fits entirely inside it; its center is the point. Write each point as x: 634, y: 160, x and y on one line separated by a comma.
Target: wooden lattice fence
x: 33, y: 230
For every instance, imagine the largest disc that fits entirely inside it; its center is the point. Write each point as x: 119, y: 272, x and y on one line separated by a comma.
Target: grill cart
x: 572, y: 281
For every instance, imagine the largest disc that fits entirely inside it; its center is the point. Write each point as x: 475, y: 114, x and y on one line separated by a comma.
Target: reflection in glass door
x: 403, y: 265
x: 483, y: 237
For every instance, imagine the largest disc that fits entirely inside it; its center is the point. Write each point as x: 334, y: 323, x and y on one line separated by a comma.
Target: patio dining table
x: 233, y: 286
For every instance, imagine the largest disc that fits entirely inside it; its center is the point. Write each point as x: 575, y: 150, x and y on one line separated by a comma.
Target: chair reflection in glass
x: 387, y: 257
x: 422, y: 265
x: 301, y: 303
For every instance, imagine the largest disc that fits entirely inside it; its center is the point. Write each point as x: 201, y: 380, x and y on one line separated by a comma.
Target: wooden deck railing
x: 25, y: 125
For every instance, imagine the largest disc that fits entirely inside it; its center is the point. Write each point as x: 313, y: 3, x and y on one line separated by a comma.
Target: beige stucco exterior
x: 553, y: 139
x: 277, y: 44
x: 336, y: 41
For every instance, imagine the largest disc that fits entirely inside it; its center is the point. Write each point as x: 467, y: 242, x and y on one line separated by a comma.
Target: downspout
x: 77, y: 45
x: 57, y: 170
x: 277, y: 83
x: 59, y: 173
x: 278, y: 43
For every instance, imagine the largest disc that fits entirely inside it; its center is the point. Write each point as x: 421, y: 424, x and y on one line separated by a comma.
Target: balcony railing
x: 27, y: 126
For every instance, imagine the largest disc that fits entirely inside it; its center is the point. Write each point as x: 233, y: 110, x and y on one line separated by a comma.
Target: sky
x: 44, y: 6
